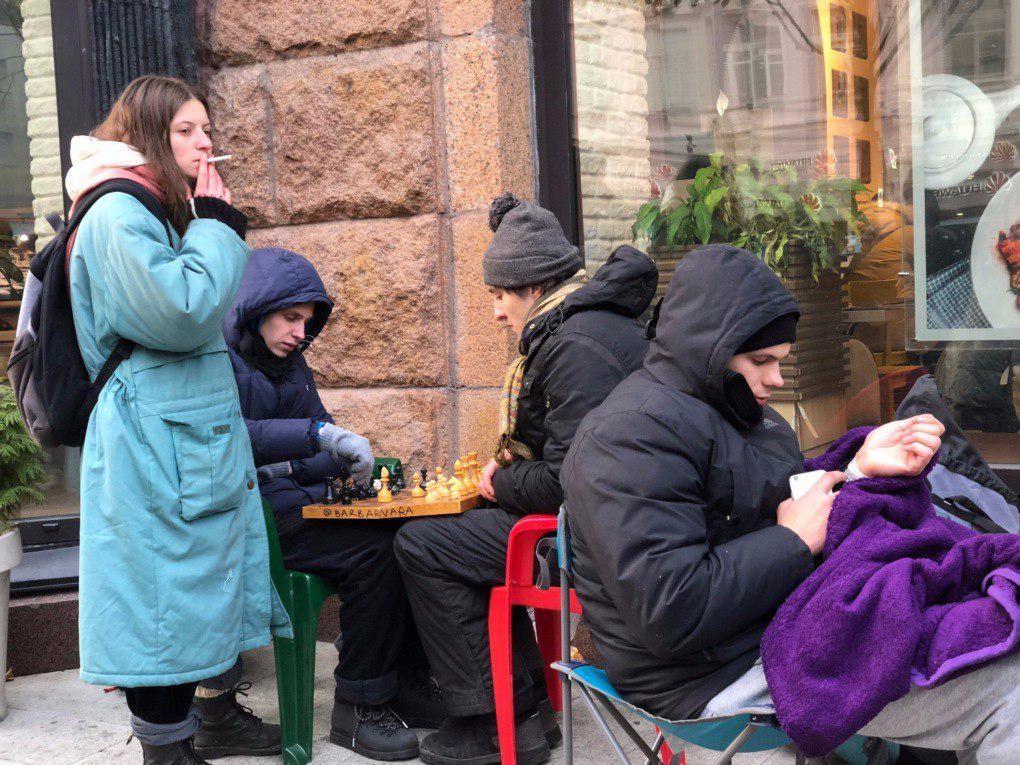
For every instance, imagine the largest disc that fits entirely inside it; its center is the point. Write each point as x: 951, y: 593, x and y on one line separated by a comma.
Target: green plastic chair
x: 302, y: 595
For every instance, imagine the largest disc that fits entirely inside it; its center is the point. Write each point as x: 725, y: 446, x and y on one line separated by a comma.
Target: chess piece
x: 431, y: 493
x: 346, y: 493
x: 458, y: 480
x: 442, y: 486
x: 476, y: 477
x: 454, y: 488
x: 330, y: 496
x: 385, y: 495
x: 417, y: 490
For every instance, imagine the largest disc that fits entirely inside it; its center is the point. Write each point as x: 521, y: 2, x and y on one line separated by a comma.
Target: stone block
x: 477, y: 421
x: 39, y: 67
x: 43, y: 126
x: 386, y: 277
x: 238, y: 106
x: 35, y: 8
x: 354, y: 135
x: 412, y: 424
x: 487, y: 86
x: 460, y: 17
x: 40, y: 46
x: 484, y: 347
x: 241, y: 31
x: 41, y: 107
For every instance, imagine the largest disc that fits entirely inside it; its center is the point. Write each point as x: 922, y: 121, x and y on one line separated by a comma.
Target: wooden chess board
x: 402, y: 506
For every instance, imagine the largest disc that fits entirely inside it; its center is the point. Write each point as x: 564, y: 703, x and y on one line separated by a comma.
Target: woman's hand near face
x: 900, y: 448
x: 210, y: 183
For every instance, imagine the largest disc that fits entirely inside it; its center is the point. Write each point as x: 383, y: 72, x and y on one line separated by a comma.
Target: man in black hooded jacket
x: 578, y: 339
x: 685, y: 540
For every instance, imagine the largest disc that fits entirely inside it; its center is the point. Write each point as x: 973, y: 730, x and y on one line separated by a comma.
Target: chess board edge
x: 400, y: 507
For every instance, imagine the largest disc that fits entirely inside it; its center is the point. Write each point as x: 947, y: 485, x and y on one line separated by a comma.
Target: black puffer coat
x: 679, y: 564
x: 577, y: 353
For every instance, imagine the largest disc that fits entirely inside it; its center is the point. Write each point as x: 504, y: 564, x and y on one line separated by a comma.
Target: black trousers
x: 162, y: 705
x: 449, y: 564
x: 377, y: 634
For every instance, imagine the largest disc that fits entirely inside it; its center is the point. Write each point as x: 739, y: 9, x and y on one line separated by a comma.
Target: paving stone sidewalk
x: 56, y: 719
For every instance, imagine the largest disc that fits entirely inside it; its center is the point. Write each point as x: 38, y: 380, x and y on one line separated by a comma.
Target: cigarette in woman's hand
x: 221, y: 158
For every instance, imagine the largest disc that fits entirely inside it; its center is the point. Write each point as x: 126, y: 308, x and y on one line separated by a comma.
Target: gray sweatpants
x: 976, y: 715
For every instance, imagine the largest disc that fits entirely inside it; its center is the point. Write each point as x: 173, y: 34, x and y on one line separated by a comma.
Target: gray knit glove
x: 275, y: 470
x: 350, y: 448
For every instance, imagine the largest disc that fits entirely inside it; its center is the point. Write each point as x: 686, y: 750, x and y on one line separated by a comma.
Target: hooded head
x: 721, y: 301
x: 274, y: 279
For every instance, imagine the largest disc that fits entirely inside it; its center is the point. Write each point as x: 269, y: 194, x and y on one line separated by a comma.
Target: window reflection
x: 817, y: 89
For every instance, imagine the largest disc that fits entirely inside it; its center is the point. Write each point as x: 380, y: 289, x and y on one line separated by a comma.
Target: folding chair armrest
x: 520, y: 551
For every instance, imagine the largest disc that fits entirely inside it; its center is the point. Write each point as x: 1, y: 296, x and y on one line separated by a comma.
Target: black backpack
x: 46, y: 370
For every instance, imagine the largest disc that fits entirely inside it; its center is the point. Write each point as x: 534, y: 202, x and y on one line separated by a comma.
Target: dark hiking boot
x: 473, y: 741
x: 229, y: 728
x: 177, y: 753
x: 550, y: 725
x: 375, y: 732
x: 419, y: 700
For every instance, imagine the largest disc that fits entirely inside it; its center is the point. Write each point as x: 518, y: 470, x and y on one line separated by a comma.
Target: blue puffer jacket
x: 282, y: 416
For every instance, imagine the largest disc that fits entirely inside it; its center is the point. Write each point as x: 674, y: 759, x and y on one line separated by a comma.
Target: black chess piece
x: 424, y: 477
x: 346, y: 493
x: 330, y: 497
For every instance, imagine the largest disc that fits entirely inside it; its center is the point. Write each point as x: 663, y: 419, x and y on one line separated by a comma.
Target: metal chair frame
x: 591, y: 696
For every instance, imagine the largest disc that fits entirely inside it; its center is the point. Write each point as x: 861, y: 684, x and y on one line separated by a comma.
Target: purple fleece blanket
x: 903, y: 597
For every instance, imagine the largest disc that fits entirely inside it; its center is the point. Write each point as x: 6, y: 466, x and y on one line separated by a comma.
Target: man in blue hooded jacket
x: 280, y: 308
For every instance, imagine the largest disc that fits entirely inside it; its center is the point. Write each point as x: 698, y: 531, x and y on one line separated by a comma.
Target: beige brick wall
x: 370, y: 136
x: 41, y: 109
x: 612, y: 120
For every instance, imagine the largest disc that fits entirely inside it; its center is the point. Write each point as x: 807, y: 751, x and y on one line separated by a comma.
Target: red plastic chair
x: 520, y: 590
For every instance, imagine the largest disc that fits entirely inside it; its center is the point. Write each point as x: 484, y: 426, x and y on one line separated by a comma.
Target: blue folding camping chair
x: 751, y: 732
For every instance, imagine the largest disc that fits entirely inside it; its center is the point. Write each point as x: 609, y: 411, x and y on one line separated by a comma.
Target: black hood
x: 718, y: 297
x: 624, y: 284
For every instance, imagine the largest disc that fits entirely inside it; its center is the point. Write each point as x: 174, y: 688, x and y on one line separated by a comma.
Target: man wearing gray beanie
x: 577, y: 339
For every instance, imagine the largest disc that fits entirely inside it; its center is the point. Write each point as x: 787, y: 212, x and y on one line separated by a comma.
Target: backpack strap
x: 124, y: 347
x: 967, y: 511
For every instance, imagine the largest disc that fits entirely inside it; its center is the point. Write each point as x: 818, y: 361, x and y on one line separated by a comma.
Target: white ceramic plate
x: 991, y: 278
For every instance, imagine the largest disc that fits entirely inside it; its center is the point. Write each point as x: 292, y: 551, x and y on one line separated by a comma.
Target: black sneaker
x: 375, y: 732
x: 177, y: 753
x: 419, y: 700
x: 550, y: 725
x: 473, y: 741
x: 230, y: 728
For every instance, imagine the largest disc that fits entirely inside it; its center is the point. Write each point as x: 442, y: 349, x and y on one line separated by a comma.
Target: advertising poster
x: 966, y: 135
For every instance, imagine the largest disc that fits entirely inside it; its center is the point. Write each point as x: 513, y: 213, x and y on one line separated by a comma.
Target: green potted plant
x: 800, y: 226
x: 682, y: 215
x: 21, y: 472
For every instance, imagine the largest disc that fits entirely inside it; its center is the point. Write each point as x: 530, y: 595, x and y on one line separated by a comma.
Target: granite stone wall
x: 370, y: 137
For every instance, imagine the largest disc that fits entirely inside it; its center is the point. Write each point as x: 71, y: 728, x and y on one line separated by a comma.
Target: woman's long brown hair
x: 141, y: 116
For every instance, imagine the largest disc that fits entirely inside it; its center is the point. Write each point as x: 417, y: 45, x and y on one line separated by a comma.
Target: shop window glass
x: 861, y: 107
x: 30, y: 189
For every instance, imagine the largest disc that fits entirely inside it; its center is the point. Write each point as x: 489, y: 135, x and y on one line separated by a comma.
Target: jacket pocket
x: 211, y: 461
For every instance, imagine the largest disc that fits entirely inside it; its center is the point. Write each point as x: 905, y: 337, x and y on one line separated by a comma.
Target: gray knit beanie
x: 528, y: 246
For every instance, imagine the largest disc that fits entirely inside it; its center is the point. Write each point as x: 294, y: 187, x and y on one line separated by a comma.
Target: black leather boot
x: 550, y: 725
x: 375, y: 732
x: 474, y: 741
x: 230, y: 728
x: 177, y: 753
x: 419, y: 700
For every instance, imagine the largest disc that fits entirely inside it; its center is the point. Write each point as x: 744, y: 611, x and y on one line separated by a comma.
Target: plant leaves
x: 703, y: 219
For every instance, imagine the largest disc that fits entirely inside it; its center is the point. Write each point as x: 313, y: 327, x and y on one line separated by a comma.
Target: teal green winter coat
x: 174, y: 575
